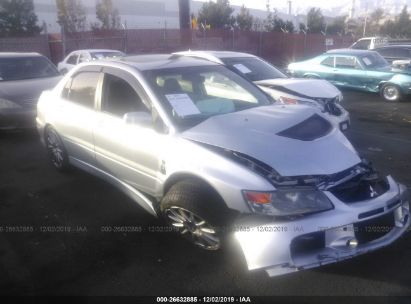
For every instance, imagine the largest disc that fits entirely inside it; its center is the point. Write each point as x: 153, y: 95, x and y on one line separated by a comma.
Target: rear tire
x: 390, y: 92
x: 55, y: 150
x: 197, y: 213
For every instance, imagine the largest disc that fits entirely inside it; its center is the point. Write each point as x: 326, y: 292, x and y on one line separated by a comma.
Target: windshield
x: 101, y: 55
x: 20, y: 68
x: 192, y: 94
x: 373, y: 60
x: 254, y: 69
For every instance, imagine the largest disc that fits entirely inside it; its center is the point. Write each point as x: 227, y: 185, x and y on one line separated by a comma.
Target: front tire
x: 390, y: 92
x: 196, y: 212
x: 55, y: 150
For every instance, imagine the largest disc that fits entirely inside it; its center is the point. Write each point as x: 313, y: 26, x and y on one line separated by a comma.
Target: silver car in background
x: 317, y: 93
x: 23, y: 77
x: 87, y: 55
x: 281, y: 180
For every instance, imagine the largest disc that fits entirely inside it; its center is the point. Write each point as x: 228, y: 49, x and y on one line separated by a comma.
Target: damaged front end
x: 310, y: 221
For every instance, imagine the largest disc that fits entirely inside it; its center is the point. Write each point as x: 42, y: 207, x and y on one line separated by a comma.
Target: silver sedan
x: 199, y: 145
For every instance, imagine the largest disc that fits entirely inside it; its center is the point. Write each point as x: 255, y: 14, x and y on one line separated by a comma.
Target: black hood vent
x: 310, y: 129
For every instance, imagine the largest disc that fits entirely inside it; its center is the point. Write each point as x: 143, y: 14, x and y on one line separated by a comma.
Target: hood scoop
x: 310, y: 129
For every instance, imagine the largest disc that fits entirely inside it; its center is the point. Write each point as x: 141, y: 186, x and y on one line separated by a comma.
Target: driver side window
x: 119, y: 97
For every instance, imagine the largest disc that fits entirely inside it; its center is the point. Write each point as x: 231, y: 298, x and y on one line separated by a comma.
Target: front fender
x: 185, y: 159
x: 402, y: 81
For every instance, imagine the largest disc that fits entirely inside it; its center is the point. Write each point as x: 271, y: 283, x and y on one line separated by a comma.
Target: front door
x: 131, y: 153
x: 348, y: 72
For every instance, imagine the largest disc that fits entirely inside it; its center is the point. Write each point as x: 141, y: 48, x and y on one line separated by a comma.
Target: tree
x: 17, y: 17
x: 403, y: 24
x: 244, y: 20
x: 337, y: 26
x: 373, y: 22
x: 315, y: 20
x: 269, y: 21
x: 108, y: 15
x: 258, y: 24
x: 216, y: 14
x: 400, y: 26
x: 279, y: 25
x: 302, y: 28
x: 71, y: 15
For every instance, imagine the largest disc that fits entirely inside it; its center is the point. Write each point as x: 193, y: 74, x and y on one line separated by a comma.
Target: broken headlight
x: 287, y: 202
x: 293, y: 101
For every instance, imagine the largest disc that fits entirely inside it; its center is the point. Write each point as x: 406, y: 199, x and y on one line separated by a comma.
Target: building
x: 133, y: 13
x: 143, y: 14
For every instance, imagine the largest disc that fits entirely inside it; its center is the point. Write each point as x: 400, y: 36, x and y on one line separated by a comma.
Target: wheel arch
x: 311, y: 75
x: 181, y: 176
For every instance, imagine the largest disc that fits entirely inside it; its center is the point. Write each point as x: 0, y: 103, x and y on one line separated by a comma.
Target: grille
x: 332, y: 108
x: 359, y: 189
x: 375, y: 228
x: 330, y: 105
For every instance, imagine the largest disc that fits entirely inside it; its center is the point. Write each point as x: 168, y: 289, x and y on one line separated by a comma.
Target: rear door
x: 130, y: 153
x: 326, y: 68
x: 77, y: 113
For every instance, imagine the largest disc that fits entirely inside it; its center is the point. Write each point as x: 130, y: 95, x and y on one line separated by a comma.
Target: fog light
x: 352, y: 243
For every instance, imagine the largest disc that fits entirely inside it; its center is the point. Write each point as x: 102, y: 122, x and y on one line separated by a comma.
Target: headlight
x: 293, y: 101
x: 287, y: 202
x: 340, y: 97
x: 7, y: 104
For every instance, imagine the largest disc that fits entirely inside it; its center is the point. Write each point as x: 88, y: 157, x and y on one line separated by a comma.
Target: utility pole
x: 365, y: 24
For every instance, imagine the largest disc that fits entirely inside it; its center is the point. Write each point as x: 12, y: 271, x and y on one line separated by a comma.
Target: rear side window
x: 72, y: 59
x: 362, y: 44
x: 329, y: 61
x: 83, y: 88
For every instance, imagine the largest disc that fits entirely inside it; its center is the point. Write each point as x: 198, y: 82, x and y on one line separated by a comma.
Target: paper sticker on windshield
x: 242, y: 68
x: 366, y: 60
x: 182, y: 104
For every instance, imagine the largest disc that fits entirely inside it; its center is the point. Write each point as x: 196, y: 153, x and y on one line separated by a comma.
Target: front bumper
x: 328, y: 237
x: 20, y: 118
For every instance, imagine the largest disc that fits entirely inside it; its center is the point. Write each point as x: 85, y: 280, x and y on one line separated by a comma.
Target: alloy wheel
x: 55, y: 149
x: 390, y: 93
x: 193, y: 227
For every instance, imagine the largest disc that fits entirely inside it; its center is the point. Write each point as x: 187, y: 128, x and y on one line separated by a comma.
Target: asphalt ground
x: 76, y: 235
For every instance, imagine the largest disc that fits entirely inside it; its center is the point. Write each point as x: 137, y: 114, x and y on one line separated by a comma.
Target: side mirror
x: 142, y: 119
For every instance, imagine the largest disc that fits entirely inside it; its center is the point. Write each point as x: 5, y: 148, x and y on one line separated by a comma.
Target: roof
x: 350, y: 52
x: 162, y: 61
x: 18, y: 54
x: 214, y: 56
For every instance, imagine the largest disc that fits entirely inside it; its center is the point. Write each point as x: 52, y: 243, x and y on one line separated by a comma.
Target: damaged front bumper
x: 319, y: 239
